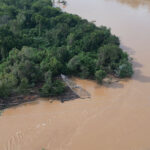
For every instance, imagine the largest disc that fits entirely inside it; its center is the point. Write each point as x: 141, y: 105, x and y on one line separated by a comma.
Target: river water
x: 117, y: 117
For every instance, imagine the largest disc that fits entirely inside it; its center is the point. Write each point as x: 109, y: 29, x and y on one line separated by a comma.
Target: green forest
x: 39, y: 42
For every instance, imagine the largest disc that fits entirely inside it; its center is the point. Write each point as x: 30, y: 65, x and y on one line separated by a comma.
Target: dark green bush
x: 100, y: 75
x: 52, y: 89
x: 124, y: 70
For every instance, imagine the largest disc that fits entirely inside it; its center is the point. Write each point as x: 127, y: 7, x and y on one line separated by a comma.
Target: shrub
x: 54, y: 89
x: 125, y: 70
x: 100, y: 75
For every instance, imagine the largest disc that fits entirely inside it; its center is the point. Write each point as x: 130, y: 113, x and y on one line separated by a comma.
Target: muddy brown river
x: 117, y: 117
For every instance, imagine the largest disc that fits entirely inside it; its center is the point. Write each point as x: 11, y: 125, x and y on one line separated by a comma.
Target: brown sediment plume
x: 117, y: 115
x: 135, y: 3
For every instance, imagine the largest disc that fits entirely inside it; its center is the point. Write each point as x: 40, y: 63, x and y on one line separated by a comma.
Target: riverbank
x: 33, y: 96
x: 68, y: 95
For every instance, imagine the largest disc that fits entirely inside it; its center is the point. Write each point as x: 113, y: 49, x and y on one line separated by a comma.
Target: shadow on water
x: 138, y: 76
x: 127, y: 49
x: 136, y: 64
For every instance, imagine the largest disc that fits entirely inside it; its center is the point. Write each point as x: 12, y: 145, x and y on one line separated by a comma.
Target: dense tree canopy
x: 38, y: 42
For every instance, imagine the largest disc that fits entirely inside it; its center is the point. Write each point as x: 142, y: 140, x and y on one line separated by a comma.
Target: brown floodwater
x: 117, y: 117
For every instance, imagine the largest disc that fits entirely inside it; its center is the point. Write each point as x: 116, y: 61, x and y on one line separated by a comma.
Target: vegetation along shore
x: 39, y: 42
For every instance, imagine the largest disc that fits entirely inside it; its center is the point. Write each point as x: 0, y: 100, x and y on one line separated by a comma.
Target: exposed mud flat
x: 117, y: 117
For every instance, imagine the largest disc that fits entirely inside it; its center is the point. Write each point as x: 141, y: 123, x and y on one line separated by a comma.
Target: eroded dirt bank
x: 115, y: 118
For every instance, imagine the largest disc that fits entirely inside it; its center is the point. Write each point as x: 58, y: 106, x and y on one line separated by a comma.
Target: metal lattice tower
x: 82, y: 93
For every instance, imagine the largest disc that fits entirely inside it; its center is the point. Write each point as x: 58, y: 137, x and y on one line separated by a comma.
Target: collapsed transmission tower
x: 82, y: 93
